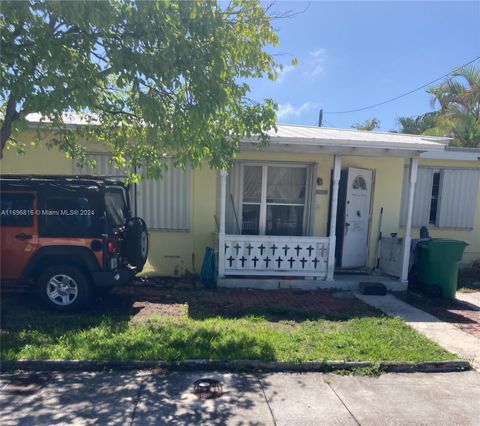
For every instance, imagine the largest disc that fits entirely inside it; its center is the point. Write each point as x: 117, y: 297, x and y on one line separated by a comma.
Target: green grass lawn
x: 32, y: 333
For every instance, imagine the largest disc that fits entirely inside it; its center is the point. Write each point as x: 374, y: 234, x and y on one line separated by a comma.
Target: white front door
x: 357, y: 218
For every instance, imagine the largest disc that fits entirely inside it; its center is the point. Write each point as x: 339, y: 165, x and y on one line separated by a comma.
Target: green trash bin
x: 438, y: 261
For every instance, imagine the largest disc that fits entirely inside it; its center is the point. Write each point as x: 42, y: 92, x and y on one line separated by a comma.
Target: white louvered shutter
x: 422, y: 199
x: 458, y: 198
x: 104, y: 167
x: 164, y: 204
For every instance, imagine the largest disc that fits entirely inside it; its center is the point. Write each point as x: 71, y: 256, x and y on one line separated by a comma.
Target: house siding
x: 471, y: 236
x: 175, y: 252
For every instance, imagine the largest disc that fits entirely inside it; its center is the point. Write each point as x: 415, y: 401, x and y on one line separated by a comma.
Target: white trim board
x: 449, y: 154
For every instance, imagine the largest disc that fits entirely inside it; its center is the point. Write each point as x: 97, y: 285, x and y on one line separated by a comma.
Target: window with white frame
x: 275, y: 199
x: 164, y: 203
x: 444, y: 197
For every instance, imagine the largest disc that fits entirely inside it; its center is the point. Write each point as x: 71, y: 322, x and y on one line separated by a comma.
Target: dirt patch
x: 176, y: 299
x: 147, y: 310
x: 275, y: 305
x: 469, y: 277
x: 461, y: 314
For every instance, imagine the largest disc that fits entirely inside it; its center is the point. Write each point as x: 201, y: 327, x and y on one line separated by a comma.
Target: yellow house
x: 311, y: 209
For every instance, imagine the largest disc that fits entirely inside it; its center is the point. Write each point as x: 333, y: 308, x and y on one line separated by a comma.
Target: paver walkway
x: 472, y: 297
x: 160, y: 398
x: 463, y: 312
x: 443, y: 333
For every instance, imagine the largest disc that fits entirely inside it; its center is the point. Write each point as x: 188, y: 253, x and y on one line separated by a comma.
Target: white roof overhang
x: 454, y: 153
x: 307, y: 139
x: 310, y: 139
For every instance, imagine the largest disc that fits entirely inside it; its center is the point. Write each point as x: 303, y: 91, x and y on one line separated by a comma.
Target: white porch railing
x: 273, y: 255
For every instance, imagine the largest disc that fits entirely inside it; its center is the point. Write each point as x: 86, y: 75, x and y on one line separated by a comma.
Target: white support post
x: 337, y: 166
x: 221, y: 235
x: 408, y: 226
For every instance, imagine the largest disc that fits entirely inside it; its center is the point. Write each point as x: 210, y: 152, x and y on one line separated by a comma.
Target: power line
x: 329, y: 123
x: 404, y: 94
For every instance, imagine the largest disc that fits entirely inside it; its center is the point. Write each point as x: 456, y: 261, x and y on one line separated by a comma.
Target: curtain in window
x: 252, y: 184
x: 286, y: 185
x: 289, y: 199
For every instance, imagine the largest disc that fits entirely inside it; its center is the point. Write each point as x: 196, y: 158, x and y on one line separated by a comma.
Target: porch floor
x: 340, y: 282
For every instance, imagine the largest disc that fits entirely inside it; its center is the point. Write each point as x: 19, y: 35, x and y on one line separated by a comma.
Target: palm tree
x: 368, y: 125
x: 459, y: 101
x: 417, y: 125
x: 453, y: 93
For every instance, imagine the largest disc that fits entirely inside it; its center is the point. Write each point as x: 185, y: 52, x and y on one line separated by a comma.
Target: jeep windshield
x: 116, y: 206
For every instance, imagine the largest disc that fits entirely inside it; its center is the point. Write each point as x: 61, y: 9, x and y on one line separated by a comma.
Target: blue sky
x: 354, y: 54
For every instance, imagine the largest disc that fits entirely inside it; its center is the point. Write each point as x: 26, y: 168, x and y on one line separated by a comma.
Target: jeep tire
x: 64, y: 288
x: 136, y: 243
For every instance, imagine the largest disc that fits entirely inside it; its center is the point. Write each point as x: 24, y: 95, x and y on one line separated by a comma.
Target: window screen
x: 273, y: 199
x: 252, y: 199
x: 285, y: 200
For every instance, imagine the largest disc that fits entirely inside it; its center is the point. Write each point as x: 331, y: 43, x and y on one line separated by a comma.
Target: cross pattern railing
x: 274, y: 255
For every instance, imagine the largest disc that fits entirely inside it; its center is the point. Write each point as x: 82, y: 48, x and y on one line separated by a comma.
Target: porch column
x: 408, y: 226
x: 337, y: 165
x: 221, y: 234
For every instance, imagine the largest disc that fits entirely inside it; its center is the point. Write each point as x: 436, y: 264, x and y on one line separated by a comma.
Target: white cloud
x: 287, y: 69
x: 318, y: 53
x: 316, y: 70
x: 288, y: 110
x: 316, y: 64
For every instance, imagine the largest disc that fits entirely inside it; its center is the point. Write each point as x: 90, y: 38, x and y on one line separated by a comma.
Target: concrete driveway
x: 150, y: 397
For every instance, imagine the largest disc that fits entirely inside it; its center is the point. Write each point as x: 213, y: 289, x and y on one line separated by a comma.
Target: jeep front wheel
x: 64, y: 288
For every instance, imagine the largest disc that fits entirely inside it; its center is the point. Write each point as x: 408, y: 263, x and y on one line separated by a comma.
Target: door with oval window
x: 358, y: 193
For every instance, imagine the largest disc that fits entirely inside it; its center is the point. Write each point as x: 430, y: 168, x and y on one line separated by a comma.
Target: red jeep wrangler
x: 69, y: 236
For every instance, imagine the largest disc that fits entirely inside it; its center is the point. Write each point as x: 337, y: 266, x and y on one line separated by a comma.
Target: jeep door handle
x: 23, y: 236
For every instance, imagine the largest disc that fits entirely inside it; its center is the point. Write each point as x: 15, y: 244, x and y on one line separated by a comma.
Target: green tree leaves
x: 458, y: 98
x: 150, y: 79
x: 368, y: 125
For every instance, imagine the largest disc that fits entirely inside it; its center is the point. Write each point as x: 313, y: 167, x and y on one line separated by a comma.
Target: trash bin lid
x: 443, y: 242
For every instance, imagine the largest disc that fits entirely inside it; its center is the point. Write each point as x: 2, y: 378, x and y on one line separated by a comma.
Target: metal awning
x: 310, y: 139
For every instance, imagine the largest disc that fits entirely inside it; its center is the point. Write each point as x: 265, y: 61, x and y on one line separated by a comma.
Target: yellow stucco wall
x: 173, y: 252
x: 39, y: 160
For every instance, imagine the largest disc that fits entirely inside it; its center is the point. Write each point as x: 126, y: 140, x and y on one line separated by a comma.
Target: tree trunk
x: 11, y: 115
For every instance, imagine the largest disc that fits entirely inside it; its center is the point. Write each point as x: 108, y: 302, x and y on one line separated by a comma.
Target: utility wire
x: 405, y: 94
x: 329, y: 123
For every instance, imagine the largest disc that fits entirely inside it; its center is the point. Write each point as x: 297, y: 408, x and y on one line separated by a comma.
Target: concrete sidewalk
x: 148, y: 398
x: 443, y: 333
